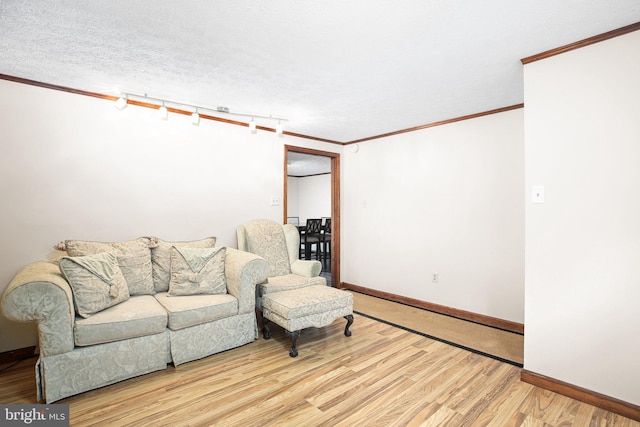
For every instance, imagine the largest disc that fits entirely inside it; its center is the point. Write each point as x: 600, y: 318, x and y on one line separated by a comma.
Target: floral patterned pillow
x: 96, y: 282
x: 197, y: 271
x: 134, y: 259
x: 161, y: 258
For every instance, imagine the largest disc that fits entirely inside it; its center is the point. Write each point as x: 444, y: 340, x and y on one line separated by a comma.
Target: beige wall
x: 311, y: 196
x: 292, y: 196
x: 447, y: 200
x: 582, y: 121
x: 74, y: 167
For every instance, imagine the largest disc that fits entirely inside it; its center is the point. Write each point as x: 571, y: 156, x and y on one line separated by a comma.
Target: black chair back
x: 327, y: 226
x: 314, y: 227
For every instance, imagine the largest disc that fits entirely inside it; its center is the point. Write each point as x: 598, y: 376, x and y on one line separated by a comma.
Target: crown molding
x: 582, y: 43
x: 440, y: 123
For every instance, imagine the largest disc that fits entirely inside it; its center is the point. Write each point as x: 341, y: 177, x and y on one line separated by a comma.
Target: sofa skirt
x: 88, y: 368
x: 196, y: 342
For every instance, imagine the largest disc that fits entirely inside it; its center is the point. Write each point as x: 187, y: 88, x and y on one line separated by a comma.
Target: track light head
x: 121, y: 103
x: 195, y: 118
x: 252, y: 125
x: 163, y: 113
x: 279, y: 129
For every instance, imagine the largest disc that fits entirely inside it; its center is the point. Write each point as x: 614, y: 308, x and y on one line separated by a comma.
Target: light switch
x: 537, y: 194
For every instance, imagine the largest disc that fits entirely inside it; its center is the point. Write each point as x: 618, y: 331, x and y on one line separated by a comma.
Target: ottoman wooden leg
x: 266, y: 333
x: 294, y: 340
x: 347, y: 332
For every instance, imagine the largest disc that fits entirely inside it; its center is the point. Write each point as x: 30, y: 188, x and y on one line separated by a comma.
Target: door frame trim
x: 335, y: 203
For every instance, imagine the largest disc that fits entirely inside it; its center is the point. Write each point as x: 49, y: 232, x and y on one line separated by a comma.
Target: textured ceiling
x: 302, y: 164
x: 336, y: 69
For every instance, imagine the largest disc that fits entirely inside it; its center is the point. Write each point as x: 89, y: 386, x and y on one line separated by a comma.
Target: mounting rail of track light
x: 124, y: 98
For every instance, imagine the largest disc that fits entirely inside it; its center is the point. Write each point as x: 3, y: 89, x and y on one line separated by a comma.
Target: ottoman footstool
x: 311, y: 306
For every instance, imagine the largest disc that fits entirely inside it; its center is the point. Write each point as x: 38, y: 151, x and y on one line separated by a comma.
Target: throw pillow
x: 96, y: 282
x: 161, y: 259
x: 197, y: 271
x: 134, y: 259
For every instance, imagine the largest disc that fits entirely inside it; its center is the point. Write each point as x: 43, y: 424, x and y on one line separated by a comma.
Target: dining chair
x: 326, y: 240
x: 313, y: 236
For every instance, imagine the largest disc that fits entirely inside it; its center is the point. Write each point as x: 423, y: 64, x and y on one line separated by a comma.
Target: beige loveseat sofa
x: 179, y: 301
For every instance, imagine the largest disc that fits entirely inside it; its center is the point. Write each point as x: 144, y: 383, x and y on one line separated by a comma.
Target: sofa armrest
x: 306, y: 268
x: 243, y: 272
x: 39, y: 293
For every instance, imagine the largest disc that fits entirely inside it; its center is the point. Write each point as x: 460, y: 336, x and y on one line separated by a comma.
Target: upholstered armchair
x: 279, y: 245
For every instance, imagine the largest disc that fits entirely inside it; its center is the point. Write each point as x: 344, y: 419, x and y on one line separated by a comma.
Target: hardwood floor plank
x: 503, y: 411
x: 375, y: 410
x: 468, y: 383
x: 583, y: 414
x: 450, y: 377
x: 538, y: 401
x: 409, y: 406
x: 362, y: 384
x: 531, y: 421
x: 475, y: 406
x: 443, y: 417
x: 440, y: 361
x: 419, y: 418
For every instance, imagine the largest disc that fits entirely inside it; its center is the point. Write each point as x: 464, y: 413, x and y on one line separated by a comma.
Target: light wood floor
x: 380, y: 376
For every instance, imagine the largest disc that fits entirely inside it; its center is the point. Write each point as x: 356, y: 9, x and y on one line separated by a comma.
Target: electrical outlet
x: 434, y: 278
x: 537, y: 194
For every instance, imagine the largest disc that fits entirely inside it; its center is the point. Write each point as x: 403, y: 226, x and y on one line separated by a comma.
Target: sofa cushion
x: 288, y: 282
x: 161, y: 259
x: 138, y: 316
x: 197, y: 271
x: 96, y: 282
x: 185, y: 311
x: 134, y: 259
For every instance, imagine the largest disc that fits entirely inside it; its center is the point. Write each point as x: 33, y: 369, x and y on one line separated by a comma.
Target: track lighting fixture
x: 184, y: 108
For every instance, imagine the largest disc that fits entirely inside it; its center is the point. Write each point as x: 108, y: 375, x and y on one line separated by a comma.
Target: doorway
x: 334, y: 166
